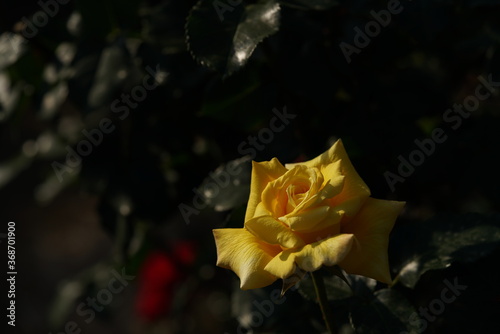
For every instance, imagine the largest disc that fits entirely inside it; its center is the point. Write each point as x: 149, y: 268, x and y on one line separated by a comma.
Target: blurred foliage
x: 219, y: 68
x: 444, y: 240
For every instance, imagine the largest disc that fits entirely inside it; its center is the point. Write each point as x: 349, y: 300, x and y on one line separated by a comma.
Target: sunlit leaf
x: 9, y: 96
x: 228, y: 186
x: 63, y: 303
x: 53, y: 99
x: 12, y: 46
x: 223, y: 36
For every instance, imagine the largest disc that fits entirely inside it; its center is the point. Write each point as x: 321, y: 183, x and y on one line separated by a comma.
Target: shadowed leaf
x: 387, y: 312
x: 446, y: 239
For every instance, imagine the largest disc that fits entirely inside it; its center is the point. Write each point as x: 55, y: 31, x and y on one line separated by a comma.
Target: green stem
x: 319, y: 286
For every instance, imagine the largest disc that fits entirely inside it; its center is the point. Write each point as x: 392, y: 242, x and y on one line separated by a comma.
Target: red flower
x: 158, y: 276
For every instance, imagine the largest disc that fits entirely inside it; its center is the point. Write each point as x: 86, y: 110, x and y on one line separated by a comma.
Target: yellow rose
x: 308, y: 214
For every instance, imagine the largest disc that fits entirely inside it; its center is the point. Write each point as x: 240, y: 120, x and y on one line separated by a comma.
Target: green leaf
x: 228, y: 186
x: 446, y: 239
x: 337, y: 271
x: 223, y: 36
x: 387, y: 312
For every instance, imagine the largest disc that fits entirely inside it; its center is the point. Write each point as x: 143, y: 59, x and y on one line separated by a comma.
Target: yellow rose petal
x: 261, y: 210
x: 330, y: 189
x: 371, y: 228
x: 354, y: 191
x: 332, y: 173
x: 269, y: 230
x: 262, y: 173
x: 306, y: 221
x: 305, y: 216
x: 284, y: 194
x: 317, y: 234
x: 243, y: 253
x: 311, y: 257
x: 326, y: 252
x: 282, y: 265
x: 335, y: 152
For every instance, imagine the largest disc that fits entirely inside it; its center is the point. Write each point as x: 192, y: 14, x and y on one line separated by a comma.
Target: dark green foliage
x: 217, y: 71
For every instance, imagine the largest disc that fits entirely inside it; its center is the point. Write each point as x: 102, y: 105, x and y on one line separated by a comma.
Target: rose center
x: 295, y: 193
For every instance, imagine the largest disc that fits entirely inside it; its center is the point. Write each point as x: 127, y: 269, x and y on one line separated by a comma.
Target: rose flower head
x: 305, y: 215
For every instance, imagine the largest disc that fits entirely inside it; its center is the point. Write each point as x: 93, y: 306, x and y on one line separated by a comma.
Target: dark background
x: 120, y: 207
